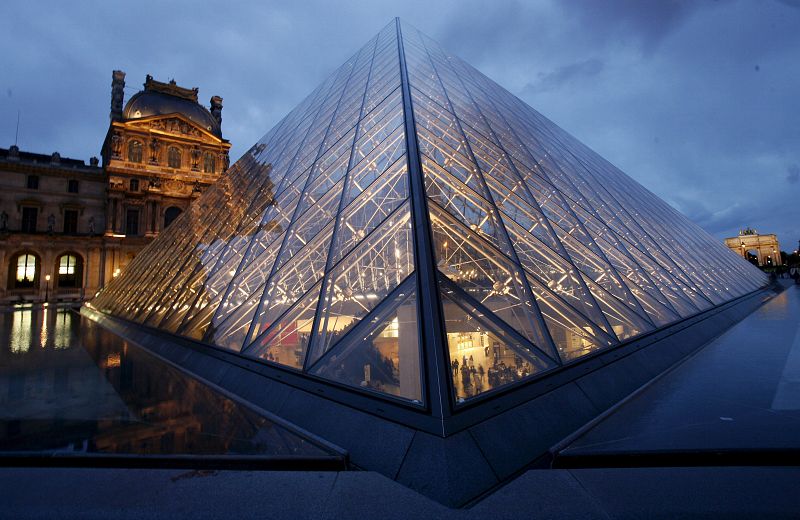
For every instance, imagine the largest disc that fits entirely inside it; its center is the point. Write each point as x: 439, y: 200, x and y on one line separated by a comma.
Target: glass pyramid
x: 414, y: 230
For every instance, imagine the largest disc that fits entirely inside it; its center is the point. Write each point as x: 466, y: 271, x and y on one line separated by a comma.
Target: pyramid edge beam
x: 431, y: 323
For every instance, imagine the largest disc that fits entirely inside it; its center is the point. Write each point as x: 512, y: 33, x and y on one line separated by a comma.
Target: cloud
x: 696, y: 210
x: 563, y: 76
x: 791, y: 3
x: 644, y: 22
x: 617, y: 74
x: 793, y: 174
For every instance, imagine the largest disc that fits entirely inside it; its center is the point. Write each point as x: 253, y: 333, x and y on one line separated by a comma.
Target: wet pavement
x: 70, y: 387
x: 737, y: 401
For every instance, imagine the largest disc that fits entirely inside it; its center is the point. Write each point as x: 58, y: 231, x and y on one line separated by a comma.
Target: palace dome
x: 151, y: 102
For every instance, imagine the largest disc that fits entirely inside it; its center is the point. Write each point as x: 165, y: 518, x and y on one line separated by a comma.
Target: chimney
x: 216, y: 109
x: 117, y: 94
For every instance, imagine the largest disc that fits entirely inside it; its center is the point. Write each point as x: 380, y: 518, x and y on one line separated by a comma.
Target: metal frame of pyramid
x: 413, y: 234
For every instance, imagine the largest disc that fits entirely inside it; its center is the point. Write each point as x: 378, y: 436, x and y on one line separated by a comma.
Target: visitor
x: 475, y: 379
x: 465, y: 376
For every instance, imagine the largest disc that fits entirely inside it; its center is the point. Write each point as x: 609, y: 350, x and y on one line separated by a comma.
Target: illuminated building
x: 415, y: 243
x: 763, y: 249
x: 81, y: 224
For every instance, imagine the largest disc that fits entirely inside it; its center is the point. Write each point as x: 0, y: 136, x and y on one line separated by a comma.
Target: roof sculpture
x: 414, y: 232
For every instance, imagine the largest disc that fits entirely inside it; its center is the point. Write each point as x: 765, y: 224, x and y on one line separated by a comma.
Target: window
x: 174, y: 157
x: 29, y: 217
x: 135, y: 151
x: 69, y: 271
x: 70, y: 221
x: 170, y: 215
x: 208, y: 163
x: 26, y: 271
x: 33, y: 182
x: 132, y: 222
x: 72, y: 186
x: 134, y: 185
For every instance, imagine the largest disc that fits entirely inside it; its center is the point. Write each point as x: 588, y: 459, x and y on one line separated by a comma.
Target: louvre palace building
x: 67, y: 227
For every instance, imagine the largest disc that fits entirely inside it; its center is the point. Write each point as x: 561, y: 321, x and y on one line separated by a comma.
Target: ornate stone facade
x: 765, y: 248
x: 80, y: 225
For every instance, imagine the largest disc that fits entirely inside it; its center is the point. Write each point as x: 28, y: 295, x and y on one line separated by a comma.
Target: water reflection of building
x: 762, y: 250
x: 190, y: 287
x: 67, y: 385
x: 67, y: 228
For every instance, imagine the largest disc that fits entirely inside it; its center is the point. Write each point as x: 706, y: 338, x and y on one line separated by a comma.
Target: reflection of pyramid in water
x: 412, y: 225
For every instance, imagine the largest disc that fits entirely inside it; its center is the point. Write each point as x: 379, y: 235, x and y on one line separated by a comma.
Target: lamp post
x: 47, y: 288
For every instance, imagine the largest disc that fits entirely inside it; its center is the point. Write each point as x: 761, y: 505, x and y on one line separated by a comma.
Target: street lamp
x: 47, y: 288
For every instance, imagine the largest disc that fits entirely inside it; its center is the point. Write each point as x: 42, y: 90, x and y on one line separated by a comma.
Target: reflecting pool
x: 68, y: 386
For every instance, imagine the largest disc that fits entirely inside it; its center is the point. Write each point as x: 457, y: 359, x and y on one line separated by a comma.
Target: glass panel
x: 378, y: 161
x: 292, y: 281
x: 573, y: 335
x: 383, y: 354
x: 484, y: 356
x: 390, y: 109
x: 452, y: 162
x: 624, y: 322
x: 485, y: 275
x: 370, y: 209
x: 306, y: 226
x: 287, y: 339
x: 522, y: 212
x: 364, y: 278
x: 463, y: 204
x: 558, y: 275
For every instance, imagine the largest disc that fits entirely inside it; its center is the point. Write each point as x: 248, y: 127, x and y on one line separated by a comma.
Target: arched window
x: 171, y: 214
x: 208, y: 163
x: 174, y: 157
x: 24, y: 271
x: 135, y: 151
x: 70, y: 271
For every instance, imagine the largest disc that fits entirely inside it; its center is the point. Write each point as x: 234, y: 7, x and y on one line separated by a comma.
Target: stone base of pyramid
x: 457, y: 460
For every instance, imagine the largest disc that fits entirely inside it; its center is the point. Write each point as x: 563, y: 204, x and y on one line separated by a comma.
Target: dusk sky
x: 698, y: 101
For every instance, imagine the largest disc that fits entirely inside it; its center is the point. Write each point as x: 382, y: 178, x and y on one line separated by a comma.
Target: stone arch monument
x: 766, y: 247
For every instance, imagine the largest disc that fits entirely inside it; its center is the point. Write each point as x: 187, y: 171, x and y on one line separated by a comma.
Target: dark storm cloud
x: 695, y: 100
